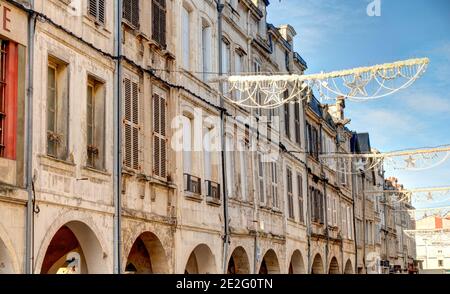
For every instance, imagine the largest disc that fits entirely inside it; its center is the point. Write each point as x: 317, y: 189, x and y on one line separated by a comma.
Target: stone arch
x: 269, y: 264
x: 147, y: 256
x: 239, y: 262
x: 8, y: 259
x: 297, y: 266
x: 348, y: 267
x: 334, y: 267
x: 201, y: 261
x: 74, y: 239
x: 88, y: 235
x: 317, y: 265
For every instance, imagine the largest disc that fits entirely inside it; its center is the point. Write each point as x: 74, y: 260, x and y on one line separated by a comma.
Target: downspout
x: 117, y: 169
x: 29, y: 236
x: 325, y: 200
x: 255, y: 205
x: 226, y: 235
x: 363, y: 179
x: 355, y: 235
x: 308, y: 195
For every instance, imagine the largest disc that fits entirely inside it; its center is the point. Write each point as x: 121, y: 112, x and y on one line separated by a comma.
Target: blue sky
x: 338, y: 34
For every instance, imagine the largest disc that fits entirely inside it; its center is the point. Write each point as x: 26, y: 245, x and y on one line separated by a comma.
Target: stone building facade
x: 114, y: 159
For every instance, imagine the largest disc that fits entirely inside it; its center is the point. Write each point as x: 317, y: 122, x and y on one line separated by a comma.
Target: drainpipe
x: 327, y: 248
x: 117, y: 168
x: 226, y: 236
x: 363, y: 179
x: 308, y: 195
x: 29, y: 250
x: 325, y: 200
x: 354, y: 196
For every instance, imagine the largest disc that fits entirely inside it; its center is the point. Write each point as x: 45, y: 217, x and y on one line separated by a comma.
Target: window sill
x: 90, y: 172
x: 128, y: 171
x: 57, y: 163
x: 160, y: 182
x: 130, y: 26
x: 193, y: 196
x: 276, y: 210
x: 291, y: 220
x: 101, y: 28
x: 213, y: 202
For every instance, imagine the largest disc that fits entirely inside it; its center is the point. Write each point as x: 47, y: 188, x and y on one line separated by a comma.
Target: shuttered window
x: 274, y: 184
x: 131, y: 123
x: 297, y: 123
x: 330, y: 204
x: 96, y: 9
x: 262, y: 193
x: 290, y: 199
x: 185, y: 37
x: 159, y: 21
x: 3, y: 84
x: 131, y: 12
x: 300, y: 198
x: 159, y: 136
x: 287, y: 117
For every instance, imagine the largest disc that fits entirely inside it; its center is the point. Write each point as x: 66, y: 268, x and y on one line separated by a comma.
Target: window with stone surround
x: 57, y: 108
x: 95, y: 123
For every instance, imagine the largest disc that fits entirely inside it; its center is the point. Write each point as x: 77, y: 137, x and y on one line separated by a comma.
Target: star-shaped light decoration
x: 357, y: 86
x: 410, y: 162
x: 272, y: 94
x: 360, y: 165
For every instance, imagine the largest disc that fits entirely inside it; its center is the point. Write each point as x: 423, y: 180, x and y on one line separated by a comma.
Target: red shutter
x: 10, y: 132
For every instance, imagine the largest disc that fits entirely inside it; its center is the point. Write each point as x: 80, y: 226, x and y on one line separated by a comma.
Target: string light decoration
x: 358, y: 84
x: 423, y: 212
x: 412, y: 160
x: 437, y: 194
x: 439, y: 236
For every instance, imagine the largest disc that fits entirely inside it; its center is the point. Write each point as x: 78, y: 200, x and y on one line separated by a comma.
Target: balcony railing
x: 192, y: 184
x: 300, y: 59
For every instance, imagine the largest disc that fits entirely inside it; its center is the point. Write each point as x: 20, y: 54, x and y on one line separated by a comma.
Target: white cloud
x: 428, y: 103
x: 316, y: 21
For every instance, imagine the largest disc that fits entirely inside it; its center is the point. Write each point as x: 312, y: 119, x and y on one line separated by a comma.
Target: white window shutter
x: 159, y: 136
x: 131, y: 141
x: 185, y: 37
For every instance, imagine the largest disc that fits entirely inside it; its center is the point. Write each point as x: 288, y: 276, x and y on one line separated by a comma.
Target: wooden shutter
x: 262, y: 197
x: 300, y: 198
x: 159, y: 21
x: 131, y: 124
x: 101, y: 11
x: 159, y: 136
x: 297, y: 123
x: 289, y: 193
x: 287, y: 120
x: 131, y: 11
x: 96, y: 9
x: 329, y: 210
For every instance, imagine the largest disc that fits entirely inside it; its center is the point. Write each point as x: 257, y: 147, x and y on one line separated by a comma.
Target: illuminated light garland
x: 358, y: 84
x: 413, y: 160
